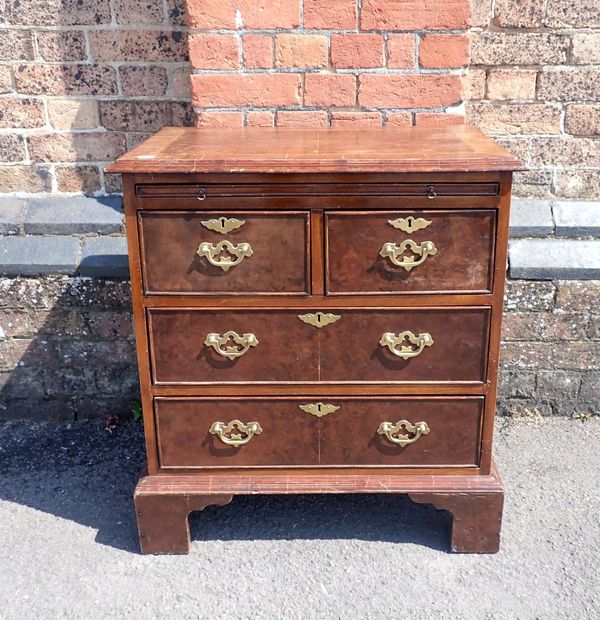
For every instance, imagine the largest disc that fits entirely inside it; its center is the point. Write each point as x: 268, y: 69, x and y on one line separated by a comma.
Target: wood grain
x: 459, y: 148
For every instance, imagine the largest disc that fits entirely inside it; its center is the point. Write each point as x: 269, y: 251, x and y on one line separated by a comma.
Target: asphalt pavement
x: 68, y: 546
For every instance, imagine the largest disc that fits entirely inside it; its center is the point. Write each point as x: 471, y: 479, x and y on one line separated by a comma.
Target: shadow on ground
x: 84, y: 473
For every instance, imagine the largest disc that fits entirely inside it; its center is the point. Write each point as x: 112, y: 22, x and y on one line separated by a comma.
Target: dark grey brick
x: 577, y: 219
x: 104, y: 257
x: 38, y: 255
x: 530, y: 218
x: 11, y: 215
x: 60, y: 215
x: 553, y: 259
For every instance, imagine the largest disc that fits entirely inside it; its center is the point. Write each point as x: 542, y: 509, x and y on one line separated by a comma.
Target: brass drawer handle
x: 393, y: 341
x: 394, y: 252
x: 318, y: 409
x: 431, y: 193
x: 219, y: 343
x: 223, y: 225
x: 393, y: 431
x: 319, y: 319
x: 237, y: 253
x: 226, y: 434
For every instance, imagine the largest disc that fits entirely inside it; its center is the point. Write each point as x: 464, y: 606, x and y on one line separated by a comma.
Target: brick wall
x: 327, y: 62
x: 81, y: 81
x: 535, y: 85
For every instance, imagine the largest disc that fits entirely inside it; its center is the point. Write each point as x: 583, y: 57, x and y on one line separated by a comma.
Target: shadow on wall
x: 107, y: 87
x: 68, y: 350
x: 85, y: 474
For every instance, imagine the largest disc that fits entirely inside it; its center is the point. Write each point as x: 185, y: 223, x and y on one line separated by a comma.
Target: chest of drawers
x: 318, y: 311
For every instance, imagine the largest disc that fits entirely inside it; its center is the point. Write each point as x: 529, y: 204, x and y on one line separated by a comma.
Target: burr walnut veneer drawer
x: 410, y: 251
x: 401, y: 345
x: 391, y: 431
x: 206, y: 252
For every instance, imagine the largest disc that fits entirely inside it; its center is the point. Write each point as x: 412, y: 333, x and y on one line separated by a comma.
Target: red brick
x: 399, y: 119
x: 95, y: 146
x: 258, y: 89
x: 443, y: 51
x: 312, y: 118
x: 356, y: 119
x: 21, y: 113
x: 329, y: 89
x: 258, y: 51
x: 415, y: 14
x: 300, y: 50
x: 356, y: 51
x: 330, y: 14
x: 401, y: 51
x: 45, y: 79
x: 214, y: 51
x: 257, y: 14
x: 135, y: 45
x: 426, y: 118
x: 219, y: 119
x: 259, y: 119
x: 408, y: 91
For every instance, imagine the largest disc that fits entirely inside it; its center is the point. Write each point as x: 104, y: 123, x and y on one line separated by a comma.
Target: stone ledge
x: 104, y: 257
x: 531, y: 218
x: 554, y: 259
x: 62, y: 254
x: 577, y: 219
x: 38, y: 255
x: 56, y: 215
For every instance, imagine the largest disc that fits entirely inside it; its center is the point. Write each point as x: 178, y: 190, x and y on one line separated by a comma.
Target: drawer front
x: 406, y: 345
x: 285, y: 435
x: 212, y: 252
x: 323, y: 432
x: 438, y: 431
x: 357, y: 345
x: 283, y: 348
x: 410, y: 251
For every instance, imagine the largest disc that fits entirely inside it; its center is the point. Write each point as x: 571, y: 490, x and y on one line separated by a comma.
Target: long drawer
x: 346, y: 345
x: 301, y: 432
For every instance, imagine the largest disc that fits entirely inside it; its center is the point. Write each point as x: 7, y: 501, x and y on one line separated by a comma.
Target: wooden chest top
x: 459, y: 148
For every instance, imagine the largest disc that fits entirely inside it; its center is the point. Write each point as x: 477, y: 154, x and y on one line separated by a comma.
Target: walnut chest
x: 318, y: 311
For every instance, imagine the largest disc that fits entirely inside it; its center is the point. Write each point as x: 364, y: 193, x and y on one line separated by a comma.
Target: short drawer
x: 276, y: 431
x: 193, y: 252
x: 341, y: 345
x: 318, y: 432
x: 426, y: 251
